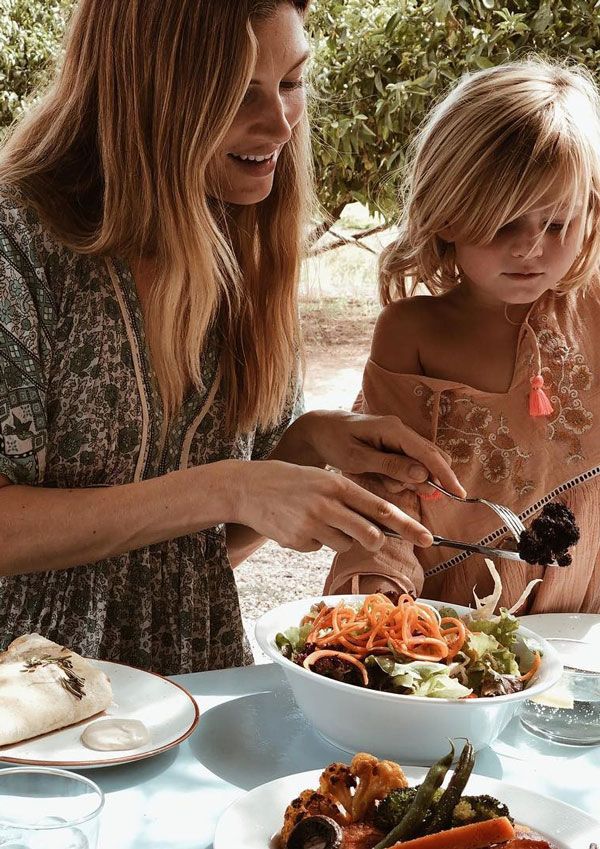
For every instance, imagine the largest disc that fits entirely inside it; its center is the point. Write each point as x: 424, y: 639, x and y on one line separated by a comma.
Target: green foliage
x: 379, y: 65
x: 30, y: 33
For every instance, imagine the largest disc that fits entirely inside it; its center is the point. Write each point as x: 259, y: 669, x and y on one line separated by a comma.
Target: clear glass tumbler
x: 570, y: 711
x: 43, y: 808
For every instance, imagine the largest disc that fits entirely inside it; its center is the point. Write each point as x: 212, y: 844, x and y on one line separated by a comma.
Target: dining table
x: 251, y: 731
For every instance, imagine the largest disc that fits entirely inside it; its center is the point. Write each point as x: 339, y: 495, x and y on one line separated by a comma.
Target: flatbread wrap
x: 45, y: 686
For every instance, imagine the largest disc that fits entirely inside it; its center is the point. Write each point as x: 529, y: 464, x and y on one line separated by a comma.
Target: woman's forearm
x: 44, y: 529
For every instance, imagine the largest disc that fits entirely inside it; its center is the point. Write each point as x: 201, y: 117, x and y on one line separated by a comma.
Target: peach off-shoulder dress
x: 502, y: 453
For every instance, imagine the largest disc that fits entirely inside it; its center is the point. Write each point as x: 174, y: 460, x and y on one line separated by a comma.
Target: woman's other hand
x: 304, y: 508
x: 360, y: 445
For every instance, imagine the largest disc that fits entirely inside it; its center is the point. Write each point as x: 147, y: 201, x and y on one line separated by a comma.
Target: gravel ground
x: 274, y: 575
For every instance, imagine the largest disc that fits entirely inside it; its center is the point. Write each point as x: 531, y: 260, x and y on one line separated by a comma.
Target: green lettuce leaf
x: 486, y: 653
x: 294, y: 637
x: 503, y: 627
x: 421, y: 678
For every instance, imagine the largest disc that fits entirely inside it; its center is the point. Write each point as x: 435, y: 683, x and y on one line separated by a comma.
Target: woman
x: 151, y: 217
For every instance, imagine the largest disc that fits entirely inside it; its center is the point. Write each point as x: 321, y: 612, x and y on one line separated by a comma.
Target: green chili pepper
x: 442, y: 816
x: 417, y: 811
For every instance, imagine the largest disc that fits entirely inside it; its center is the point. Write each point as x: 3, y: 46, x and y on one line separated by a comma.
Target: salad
x: 409, y: 647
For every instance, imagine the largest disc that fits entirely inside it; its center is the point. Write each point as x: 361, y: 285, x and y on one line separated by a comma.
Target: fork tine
x: 510, y: 519
x: 508, y: 516
x: 516, y: 523
x: 510, y: 522
x: 515, y: 519
x: 499, y: 511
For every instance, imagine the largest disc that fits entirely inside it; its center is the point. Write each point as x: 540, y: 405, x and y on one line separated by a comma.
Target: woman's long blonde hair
x: 116, y: 157
x: 499, y: 143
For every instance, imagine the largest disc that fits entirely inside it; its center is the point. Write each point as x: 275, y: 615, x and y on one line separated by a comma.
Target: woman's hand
x: 358, y: 444
x: 304, y: 508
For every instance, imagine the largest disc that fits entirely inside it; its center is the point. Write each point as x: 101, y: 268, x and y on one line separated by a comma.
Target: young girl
x: 500, y: 367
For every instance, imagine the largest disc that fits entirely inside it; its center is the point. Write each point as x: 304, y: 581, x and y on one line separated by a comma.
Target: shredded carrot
x: 537, y: 659
x: 411, y: 629
x: 317, y: 655
x: 476, y: 835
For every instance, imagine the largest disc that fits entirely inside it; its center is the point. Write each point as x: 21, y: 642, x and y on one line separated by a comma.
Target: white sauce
x: 111, y: 735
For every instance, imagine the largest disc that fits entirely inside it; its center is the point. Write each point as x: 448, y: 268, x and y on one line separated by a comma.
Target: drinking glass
x: 43, y: 808
x: 570, y: 711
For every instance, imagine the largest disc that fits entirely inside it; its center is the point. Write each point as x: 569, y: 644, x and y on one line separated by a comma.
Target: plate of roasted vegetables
x: 371, y: 803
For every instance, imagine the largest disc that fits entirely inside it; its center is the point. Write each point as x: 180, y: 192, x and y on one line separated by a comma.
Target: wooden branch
x: 341, y: 241
x: 326, y: 225
x: 352, y: 239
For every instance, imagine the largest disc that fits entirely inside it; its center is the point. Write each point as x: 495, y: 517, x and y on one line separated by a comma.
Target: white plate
x: 252, y: 821
x: 566, y: 626
x: 168, y: 711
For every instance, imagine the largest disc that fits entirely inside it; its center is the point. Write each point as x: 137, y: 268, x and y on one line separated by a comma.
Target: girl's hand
x: 304, y: 508
x: 358, y: 444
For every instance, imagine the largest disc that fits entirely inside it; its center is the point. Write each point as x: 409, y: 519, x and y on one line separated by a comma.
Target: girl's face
x: 522, y: 261
x: 274, y: 103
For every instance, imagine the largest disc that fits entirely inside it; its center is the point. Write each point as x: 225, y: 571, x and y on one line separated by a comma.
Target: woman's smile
x: 258, y: 165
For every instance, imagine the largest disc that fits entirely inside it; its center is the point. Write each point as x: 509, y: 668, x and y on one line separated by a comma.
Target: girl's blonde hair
x: 504, y: 140
x: 116, y: 157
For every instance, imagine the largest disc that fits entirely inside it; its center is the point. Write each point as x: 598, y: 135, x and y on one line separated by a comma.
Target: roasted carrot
x: 537, y: 659
x: 477, y: 835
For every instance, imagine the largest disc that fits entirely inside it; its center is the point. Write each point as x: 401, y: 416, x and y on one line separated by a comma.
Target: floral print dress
x: 79, y: 407
x: 502, y: 453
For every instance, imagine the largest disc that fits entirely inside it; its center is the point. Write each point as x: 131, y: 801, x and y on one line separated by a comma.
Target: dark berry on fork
x: 550, y: 536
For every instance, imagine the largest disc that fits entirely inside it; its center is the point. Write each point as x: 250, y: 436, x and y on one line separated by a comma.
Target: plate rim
x: 414, y: 772
x: 594, y: 617
x: 113, y: 761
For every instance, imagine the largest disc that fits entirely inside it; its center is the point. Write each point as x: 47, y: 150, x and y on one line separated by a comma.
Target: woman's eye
x: 556, y: 226
x: 292, y: 85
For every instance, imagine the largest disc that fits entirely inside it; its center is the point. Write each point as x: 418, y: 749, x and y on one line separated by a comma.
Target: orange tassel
x: 539, y: 404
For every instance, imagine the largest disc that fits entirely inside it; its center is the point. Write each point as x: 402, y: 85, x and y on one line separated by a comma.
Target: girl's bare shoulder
x: 400, y: 328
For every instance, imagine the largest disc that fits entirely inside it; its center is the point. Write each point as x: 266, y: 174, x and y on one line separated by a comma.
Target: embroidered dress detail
x: 500, y: 452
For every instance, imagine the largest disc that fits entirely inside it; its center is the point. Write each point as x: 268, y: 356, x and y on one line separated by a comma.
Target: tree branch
x: 352, y: 239
x: 325, y: 225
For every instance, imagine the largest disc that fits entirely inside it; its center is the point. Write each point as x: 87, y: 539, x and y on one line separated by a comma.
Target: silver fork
x: 510, y: 519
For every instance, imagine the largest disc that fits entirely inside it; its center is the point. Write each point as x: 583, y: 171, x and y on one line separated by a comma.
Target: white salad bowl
x: 411, y: 729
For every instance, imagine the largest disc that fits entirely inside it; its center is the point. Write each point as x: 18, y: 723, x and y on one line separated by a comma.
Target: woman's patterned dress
x: 79, y: 407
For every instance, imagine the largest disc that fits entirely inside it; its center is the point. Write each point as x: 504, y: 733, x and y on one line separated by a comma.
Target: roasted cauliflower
x: 346, y: 794
x: 311, y: 803
x: 375, y: 779
x: 338, y: 781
